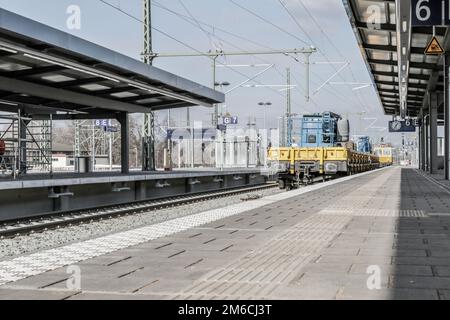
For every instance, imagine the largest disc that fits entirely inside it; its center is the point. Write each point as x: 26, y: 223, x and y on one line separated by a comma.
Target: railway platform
x: 378, y: 235
x: 40, y: 194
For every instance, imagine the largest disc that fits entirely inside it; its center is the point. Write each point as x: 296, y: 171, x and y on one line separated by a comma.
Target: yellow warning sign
x: 434, y: 47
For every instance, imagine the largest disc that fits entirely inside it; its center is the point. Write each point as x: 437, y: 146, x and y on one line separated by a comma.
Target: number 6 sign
x: 430, y: 12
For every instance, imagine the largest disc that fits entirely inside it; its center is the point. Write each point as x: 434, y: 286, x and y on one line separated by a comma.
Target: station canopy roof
x: 395, y: 54
x: 47, y: 70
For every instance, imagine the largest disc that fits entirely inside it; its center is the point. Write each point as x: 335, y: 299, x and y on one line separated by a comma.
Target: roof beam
x: 418, y: 65
x: 377, y: 47
x: 410, y: 98
x: 47, y: 92
x: 393, y: 74
x: 411, y: 85
x: 142, y: 97
x: 388, y: 27
x: 162, y: 106
x: 396, y: 101
x: 416, y: 93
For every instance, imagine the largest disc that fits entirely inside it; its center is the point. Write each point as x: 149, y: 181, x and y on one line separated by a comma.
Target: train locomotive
x: 385, y: 154
x: 324, y: 150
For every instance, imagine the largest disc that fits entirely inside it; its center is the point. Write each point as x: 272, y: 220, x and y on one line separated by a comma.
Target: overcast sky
x: 226, y: 26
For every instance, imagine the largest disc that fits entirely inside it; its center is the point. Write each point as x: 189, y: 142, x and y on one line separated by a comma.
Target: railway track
x: 14, y: 228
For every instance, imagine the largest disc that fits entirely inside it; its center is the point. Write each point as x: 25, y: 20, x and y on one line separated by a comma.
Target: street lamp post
x: 216, y: 115
x: 265, y: 105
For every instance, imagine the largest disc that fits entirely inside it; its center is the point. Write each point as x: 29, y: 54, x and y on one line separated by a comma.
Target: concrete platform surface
x: 382, y: 235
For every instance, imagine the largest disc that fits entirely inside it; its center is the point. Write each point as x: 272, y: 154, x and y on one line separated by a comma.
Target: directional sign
x: 402, y: 126
x: 111, y: 129
x: 434, y: 47
x: 222, y: 127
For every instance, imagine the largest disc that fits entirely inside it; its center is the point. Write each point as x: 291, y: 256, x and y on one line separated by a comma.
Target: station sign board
x: 106, y: 124
x: 430, y: 12
x: 103, y: 122
x: 230, y: 120
x: 403, y: 125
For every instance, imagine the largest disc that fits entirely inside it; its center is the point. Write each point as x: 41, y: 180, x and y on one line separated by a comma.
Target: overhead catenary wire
x: 247, y: 40
x: 268, y: 21
x: 282, y: 75
x: 169, y: 36
x: 222, y: 30
x: 197, y: 22
x: 327, y: 37
x: 292, y: 35
x: 295, y: 20
x: 189, y: 46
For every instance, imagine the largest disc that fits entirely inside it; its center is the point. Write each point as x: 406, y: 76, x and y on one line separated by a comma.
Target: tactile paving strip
x: 375, y: 213
x: 279, y: 261
x: 37, y: 263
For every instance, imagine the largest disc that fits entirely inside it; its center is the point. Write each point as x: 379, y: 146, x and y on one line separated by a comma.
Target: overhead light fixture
x: 8, y: 103
x: 43, y: 59
x: 92, y: 73
x: 8, y: 50
x: 140, y: 87
x: 69, y: 67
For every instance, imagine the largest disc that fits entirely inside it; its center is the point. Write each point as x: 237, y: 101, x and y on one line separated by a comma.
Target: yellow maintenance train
x: 325, y: 151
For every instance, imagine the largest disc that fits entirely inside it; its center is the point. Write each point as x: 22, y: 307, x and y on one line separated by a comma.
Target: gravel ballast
x: 23, y: 244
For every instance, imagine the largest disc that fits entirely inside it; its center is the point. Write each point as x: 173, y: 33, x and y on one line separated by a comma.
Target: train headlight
x: 331, y: 167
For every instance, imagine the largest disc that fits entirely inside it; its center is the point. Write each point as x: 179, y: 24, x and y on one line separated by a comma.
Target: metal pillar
x: 423, y: 143
x: 215, y: 120
x: 427, y: 142
x: 22, y: 144
x: 446, y: 119
x: 148, y: 141
x: 420, y: 145
x: 287, y: 124
x: 124, y: 142
x: 433, y: 100
x: 148, y: 59
x: 308, y: 67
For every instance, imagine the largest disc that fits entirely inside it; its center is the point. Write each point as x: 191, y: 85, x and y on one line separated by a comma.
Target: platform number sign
x: 430, y: 12
x: 103, y: 123
x: 230, y: 120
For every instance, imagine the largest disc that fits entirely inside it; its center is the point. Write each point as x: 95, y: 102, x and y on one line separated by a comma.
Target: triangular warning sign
x: 434, y: 47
